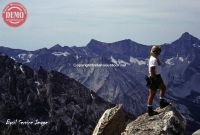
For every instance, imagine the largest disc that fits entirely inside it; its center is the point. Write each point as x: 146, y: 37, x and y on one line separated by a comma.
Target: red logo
x: 14, y: 14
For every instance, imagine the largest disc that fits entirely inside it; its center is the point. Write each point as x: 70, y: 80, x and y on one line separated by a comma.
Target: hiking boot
x: 163, y: 103
x: 151, y: 112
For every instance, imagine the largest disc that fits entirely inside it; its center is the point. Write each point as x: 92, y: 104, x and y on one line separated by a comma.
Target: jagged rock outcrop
x: 168, y: 122
x: 196, y: 132
x: 28, y: 97
x: 112, y: 122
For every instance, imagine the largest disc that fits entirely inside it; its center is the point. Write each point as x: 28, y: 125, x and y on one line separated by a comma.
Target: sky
x: 76, y: 22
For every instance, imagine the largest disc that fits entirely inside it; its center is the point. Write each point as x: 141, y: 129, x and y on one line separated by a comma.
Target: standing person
x: 154, y: 81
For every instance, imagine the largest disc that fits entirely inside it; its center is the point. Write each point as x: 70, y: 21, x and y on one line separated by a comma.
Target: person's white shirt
x: 154, y: 63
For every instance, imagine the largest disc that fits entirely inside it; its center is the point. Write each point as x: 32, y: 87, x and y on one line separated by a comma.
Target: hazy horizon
x: 89, y: 41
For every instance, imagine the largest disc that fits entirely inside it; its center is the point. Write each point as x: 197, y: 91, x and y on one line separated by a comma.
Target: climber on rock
x: 154, y: 80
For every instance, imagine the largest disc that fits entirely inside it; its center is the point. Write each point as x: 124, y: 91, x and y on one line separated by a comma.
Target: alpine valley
x: 124, y: 83
x: 45, y: 103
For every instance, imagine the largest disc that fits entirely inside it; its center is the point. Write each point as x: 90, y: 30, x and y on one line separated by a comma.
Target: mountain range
x: 45, y: 103
x: 124, y: 82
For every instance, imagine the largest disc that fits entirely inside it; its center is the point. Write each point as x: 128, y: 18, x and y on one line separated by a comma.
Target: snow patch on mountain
x: 195, y: 45
x: 170, y: 61
x: 61, y: 53
x: 13, y: 58
x: 113, y: 60
x: 60, y: 68
x: 123, y: 62
x: 137, y: 61
x: 37, y: 83
x: 119, y: 61
x: 174, y: 60
x: 77, y: 57
x: 181, y: 59
x: 21, y: 68
x: 25, y: 57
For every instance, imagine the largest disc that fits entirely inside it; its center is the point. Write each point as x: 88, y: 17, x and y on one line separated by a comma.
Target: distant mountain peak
x: 186, y: 39
x: 129, y: 41
x: 186, y: 36
x: 95, y: 41
x: 55, y: 47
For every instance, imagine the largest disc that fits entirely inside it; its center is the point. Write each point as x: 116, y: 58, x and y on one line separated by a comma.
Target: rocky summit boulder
x: 197, y: 132
x: 168, y: 122
x: 112, y: 122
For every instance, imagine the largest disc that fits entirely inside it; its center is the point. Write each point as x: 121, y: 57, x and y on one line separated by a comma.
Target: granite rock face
x: 63, y: 104
x: 112, y: 122
x: 168, y: 122
x: 196, y: 132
